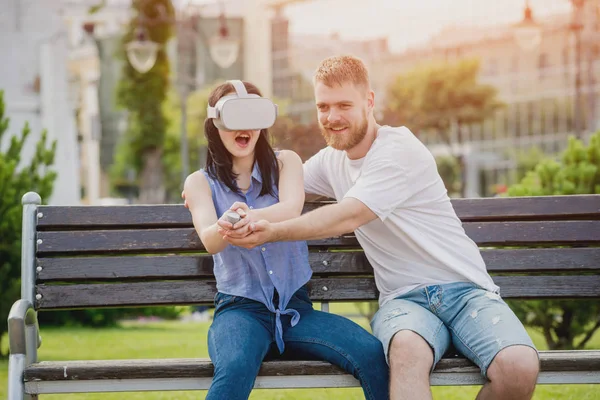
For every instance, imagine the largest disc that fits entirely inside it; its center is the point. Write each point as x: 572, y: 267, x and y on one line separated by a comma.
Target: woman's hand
x: 241, y: 228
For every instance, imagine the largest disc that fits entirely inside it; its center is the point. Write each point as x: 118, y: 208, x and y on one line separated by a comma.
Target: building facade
x: 36, y: 86
x: 551, y: 90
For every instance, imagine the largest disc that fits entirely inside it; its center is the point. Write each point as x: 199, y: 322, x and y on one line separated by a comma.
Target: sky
x: 408, y: 23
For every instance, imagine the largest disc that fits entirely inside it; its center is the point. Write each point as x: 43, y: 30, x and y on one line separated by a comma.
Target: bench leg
x: 16, y: 386
x: 23, y: 337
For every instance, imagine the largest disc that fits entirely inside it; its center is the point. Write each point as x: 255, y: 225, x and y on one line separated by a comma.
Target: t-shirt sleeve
x: 315, y: 176
x: 391, y: 176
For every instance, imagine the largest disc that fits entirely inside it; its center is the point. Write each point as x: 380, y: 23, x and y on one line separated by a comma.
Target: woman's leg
x: 330, y: 337
x: 238, y: 340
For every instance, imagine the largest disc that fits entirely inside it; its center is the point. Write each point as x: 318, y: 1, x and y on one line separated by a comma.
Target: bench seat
x: 87, y: 257
x: 581, y: 366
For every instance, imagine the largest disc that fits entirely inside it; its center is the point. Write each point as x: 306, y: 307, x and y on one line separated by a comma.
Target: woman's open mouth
x: 242, y: 140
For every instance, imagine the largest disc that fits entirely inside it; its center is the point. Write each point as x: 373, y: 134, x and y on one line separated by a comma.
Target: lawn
x: 188, y: 339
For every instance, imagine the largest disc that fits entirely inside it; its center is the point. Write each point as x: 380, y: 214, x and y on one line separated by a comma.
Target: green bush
x: 18, y: 176
x: 566, y: 324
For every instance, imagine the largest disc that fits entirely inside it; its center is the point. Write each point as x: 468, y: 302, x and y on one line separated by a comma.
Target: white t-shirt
x: 417, y: 240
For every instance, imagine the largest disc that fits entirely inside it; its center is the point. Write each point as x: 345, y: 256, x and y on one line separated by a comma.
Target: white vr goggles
x: 242, y: 111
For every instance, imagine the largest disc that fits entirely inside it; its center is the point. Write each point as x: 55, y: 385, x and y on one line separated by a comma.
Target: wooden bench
x: 88, y: 257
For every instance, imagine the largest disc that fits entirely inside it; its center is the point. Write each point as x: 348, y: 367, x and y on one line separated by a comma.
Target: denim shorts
x: 473, y: 321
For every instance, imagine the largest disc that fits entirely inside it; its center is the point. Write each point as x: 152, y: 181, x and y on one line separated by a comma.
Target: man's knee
x: 410, y: 349
x: 515, y: 368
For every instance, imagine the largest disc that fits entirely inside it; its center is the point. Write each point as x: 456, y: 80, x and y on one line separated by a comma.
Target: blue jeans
x: 475, y: 322
x: 242, y: 336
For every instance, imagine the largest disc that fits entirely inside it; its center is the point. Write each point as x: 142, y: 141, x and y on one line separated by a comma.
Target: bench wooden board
x: 66, y: 374
x: 536, y: 248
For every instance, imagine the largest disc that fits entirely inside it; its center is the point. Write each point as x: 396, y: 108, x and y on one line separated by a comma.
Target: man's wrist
x: 277, y: 234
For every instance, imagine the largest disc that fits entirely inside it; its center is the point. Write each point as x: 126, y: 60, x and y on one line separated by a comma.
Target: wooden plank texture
x: 191, y: 266
x: 170, y: 216
x: 194, y: 266
x: 557, y: 361
x: 320, y: 289
x: 539, y: 208
x: 180, y: 292
x: 186, y: 239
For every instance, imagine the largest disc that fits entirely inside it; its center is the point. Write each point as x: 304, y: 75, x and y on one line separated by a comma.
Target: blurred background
x: 490, y: 87
x: 102, y: 102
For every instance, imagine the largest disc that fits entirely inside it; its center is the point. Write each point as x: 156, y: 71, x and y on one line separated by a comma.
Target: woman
x: 262, y: 307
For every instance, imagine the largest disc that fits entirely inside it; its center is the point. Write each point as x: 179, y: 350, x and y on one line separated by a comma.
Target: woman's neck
x: 243, y: 166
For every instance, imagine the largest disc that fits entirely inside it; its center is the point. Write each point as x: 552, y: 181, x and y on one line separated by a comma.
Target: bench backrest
x: 88, y: 256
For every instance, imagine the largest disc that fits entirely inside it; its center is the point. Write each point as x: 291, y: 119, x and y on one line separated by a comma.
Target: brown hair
x: 219, y: 161
x: 338, y: 70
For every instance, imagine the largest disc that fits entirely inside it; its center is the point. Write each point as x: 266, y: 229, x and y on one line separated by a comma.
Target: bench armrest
x: 23, y: 330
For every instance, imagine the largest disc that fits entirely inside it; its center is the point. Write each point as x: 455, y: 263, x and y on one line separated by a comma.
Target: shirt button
x: 263, y: 249
x: 270, y: 272
x: 251, y: 207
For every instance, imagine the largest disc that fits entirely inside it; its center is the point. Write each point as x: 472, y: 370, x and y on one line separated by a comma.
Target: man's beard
x: 348, y: 140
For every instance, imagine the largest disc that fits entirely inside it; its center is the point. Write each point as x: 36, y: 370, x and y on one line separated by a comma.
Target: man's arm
x: 324, y: 222
x: 327, y: 221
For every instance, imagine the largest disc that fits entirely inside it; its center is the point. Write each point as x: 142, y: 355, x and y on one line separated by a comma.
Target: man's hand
x: 185, y: 203
x: 260, y: 232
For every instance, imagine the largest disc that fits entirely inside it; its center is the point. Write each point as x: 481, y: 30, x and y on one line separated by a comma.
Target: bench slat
x: 539, y: 208
x: 496, y: 209
x: 186, y: 239
x: 321, y: 289
x: 557, y: 361
x: 345, y: 263
x: 176, y: 267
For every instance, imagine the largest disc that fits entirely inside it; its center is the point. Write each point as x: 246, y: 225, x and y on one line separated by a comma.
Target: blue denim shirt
x: 257, y: 272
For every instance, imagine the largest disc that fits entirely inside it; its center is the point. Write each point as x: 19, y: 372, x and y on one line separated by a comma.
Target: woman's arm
x: 291, y: 190
x: 199, y: 200
x: 291, y: 198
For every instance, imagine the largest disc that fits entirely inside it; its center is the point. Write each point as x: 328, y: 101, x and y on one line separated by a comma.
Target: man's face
x: 342, y: 112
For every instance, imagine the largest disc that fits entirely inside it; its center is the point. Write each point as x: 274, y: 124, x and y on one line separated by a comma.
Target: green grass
x: 188, y: 340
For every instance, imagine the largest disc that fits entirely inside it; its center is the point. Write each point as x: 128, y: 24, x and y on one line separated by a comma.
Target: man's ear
x: 371, y: 100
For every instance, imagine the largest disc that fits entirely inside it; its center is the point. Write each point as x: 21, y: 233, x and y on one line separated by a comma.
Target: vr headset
x: 242, y: 111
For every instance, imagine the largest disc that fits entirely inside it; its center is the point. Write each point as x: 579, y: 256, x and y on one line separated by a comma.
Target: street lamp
x: 142, y: 52
x: 576, y: 26
x: 527, y: 33
x: 223, y: 48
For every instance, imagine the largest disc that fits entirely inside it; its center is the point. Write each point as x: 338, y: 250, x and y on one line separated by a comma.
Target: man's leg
x: 238, y: 341
x: 330, y: 337
x: 512, y: 374
x: 486, y: 331
x: 414, y: 340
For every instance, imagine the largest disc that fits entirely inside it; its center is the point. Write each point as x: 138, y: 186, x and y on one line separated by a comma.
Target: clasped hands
x: 240, y: 229
x: 247, y: 232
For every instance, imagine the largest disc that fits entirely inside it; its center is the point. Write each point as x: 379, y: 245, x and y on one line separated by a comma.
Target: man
x: 434, y: 289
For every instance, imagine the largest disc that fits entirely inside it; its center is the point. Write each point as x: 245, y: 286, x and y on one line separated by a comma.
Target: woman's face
x: 239, y: 143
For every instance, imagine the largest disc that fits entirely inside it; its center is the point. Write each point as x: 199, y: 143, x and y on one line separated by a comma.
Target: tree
x: 196, y: 114
x: 566, y: 324
x: 449, y: 171
x: 143, y: 95
x: 306, y: 140
x: 440, y: 98
x: 17, y: 177
x: 171, y: 155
